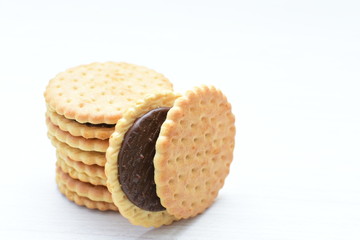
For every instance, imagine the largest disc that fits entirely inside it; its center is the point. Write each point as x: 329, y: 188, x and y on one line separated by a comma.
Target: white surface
x: 290, y: 68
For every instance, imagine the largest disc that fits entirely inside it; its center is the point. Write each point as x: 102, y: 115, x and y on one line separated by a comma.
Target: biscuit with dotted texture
x: 194, y: 151
x: 134, y: 214
x: 101, y: 92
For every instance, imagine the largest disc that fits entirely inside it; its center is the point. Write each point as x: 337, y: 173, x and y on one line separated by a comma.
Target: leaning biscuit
x: 194, y: 151
x: 169, y: 156
x: 135, y: 214
x: 84, y: 201
x: 80, y: 171
x: 86, y: 157
x: 99, y: 93
x: 84, y: 144
x: 102, y: 131
x: 95, y: 193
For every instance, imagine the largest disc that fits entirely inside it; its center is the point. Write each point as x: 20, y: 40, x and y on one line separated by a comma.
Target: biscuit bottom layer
x: 136, y: 160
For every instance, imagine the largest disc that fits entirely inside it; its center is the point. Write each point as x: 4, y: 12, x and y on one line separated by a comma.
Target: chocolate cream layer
x: 136, y: 160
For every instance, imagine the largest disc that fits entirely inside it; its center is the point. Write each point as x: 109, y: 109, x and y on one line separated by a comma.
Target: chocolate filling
x: 136, y: 160
x: 103, y: 125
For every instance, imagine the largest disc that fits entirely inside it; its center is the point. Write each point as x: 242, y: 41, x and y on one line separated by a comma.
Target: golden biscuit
x: 191, y: 160
x: 100, y: 92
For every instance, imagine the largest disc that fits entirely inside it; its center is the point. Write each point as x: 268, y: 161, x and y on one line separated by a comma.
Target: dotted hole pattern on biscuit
x: 200, y: 163
x: 77, y: 92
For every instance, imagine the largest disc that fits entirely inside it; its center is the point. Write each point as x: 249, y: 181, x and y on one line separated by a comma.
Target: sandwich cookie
x: 75, y: 154
x: 84, y: 201
x: 99, y: 131
x: 82, y: 194
x: 169, y: 156
x: 81, y: 143
x: 98, y: 93
x: 94, y: 193
x: 86, y: 173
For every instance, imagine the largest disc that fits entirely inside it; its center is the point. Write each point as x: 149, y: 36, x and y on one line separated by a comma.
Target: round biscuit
x: 77, y: 142
x: 101, y: 92
x: 78, y: 129
x: 84, y: 201
x: 194, y: 151
x: 84, y: 173
x: 127, y: 209
x: 93, y: 192
x: 86, y: 157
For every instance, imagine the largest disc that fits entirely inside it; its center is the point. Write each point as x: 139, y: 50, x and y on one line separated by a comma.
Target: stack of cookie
x: 83, y: 105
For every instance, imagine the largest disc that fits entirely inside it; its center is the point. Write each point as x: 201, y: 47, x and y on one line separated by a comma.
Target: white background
x: 291, y: 70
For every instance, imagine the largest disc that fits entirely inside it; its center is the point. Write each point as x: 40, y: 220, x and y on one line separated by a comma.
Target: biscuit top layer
x: 100, y: 92
x: 194, y: 151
